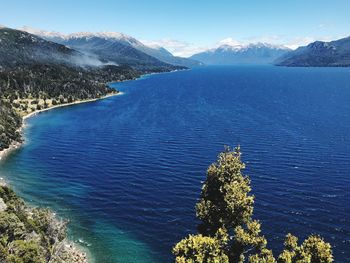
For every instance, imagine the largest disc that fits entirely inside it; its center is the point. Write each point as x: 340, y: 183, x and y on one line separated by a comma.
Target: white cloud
x: 289, y: 42
x: 229, y: 41
x: 299, y: 41
x: 303, y: 41
x: 176, y: 47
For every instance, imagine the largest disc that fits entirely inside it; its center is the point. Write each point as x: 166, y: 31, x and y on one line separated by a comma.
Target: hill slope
x: 18, y: 48
x: 36, y: 73
x: 32, y: 66
x: 111, y: 47
x: 319, y: 54
x: 117, y: 47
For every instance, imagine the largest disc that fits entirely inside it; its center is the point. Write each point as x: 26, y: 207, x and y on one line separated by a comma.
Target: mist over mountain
x: 21, y: 48
x: 260, y: 53
x: 36, y: 74
x: 30, y: 66
x: 319, y: 54
x: 118, y: 48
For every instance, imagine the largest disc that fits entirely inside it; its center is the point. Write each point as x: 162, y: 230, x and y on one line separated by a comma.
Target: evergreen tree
x: 228, y: 232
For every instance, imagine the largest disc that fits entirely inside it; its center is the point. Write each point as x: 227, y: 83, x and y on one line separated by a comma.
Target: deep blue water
x: 127, y: 170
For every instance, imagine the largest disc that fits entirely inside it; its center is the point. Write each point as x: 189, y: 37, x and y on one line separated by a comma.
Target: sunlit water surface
x: 127, y: 170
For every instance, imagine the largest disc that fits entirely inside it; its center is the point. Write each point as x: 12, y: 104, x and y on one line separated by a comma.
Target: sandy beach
x: 15, y: 145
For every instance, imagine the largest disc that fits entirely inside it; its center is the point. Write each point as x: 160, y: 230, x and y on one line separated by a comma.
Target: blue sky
x: 191, y: 25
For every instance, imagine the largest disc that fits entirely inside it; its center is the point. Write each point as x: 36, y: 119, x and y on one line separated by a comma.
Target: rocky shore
x: 69, y: 252
x: 33, y: 232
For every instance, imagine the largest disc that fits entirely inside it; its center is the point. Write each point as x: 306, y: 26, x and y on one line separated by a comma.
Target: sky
x: 185, y: 27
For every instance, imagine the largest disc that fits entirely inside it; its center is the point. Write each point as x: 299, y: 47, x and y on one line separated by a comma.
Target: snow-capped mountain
x: 108, y: 48
x: 123, y: 48
x: 259, y: 53
x: 88, y: 35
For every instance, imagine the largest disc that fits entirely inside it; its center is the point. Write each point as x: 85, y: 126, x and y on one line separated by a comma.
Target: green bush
x: 27, y: 235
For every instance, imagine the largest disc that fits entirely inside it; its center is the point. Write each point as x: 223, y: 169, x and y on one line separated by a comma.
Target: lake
x: 127, y: 170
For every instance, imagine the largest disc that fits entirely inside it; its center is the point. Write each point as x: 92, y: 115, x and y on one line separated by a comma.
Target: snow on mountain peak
x: 241, y: 47
x: 227, y: 47
x: 42, y: 33
x: 266, y: 45
x: 105, y: 35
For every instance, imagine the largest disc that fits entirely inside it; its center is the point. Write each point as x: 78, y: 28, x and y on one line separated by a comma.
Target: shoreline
x: 75, y: 251
x: 79, y: 253
x: 32, y: 114
x: 16, y: 145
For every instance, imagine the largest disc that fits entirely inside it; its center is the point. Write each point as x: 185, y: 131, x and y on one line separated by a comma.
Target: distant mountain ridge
x: 319, y: 54
x: 260, y: 53
x: 164, y: 55
x: 118, y: 47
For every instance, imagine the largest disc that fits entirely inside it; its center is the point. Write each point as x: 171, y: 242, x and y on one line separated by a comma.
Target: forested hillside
x: 37, y: 74
x: 10, y: 121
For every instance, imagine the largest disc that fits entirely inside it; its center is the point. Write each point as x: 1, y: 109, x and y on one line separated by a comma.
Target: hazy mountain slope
x: 319, y: 54
x: 164, y: 55
x: 32, y: 66
x: 250, y: 54
x: 117, y: 47
x: 36, y: 73
x: 18, y: 48
x: 110, y: 48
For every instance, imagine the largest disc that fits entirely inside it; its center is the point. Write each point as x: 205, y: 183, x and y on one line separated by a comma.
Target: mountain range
x: 259, y: 53
x: 120, y: 49
x: 117, y: 47
x: 30, y: 66
x: 36, y: 73
x: 19, y: 47
x: 319, y: 54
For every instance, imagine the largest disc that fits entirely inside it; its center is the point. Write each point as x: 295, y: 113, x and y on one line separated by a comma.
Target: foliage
x: 42, y: 81
x: 225, y: 199
x: 34, y: 69
x: 26, y: 252
x: 10, y: 122
x: 228, y: 232
x: 265, y: 256
x: 313, y: 250
x: 27, y: 235
x: 198, y: 248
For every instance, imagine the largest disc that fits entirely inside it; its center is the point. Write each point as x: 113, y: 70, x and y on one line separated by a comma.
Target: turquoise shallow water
x: 127, y: 170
